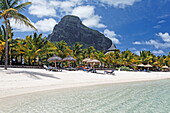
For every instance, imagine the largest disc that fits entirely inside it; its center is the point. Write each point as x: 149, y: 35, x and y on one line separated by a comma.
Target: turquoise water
x: 138, y: 97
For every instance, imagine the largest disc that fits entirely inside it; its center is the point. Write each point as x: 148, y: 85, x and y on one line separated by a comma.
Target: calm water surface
x: 138, y: 97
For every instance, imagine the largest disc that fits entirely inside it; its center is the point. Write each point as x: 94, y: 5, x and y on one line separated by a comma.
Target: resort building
x: 112, y: 49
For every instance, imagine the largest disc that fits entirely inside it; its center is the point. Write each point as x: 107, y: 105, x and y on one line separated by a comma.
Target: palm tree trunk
x: 6, y: 44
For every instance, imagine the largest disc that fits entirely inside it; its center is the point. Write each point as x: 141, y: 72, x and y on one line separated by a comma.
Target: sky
x: 135, y: 25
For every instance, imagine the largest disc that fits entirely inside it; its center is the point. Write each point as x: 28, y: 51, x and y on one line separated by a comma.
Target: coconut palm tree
x: 10, y: 9
x: 63, y: 50
x: 77, y: 51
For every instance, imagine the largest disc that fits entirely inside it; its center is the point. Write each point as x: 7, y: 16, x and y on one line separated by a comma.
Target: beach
x: 17, y: 81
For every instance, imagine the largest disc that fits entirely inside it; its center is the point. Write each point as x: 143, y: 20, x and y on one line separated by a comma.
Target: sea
x: 134, y: 97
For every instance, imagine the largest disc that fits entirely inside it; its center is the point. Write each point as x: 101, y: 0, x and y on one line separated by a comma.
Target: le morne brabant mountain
x: 71, y: 30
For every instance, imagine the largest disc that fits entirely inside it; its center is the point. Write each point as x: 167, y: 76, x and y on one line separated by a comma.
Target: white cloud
x: 137, y: 43
x: 119, y: 3
x: 112, y: 35
x: 157, y: 44
x: 83, y: 11
x: 165, y: 36
x: 157, y: 26
x: 87, y: 14
x: 158, y: 52
x: 161, y: 21
x: 94, y: 21
x: 45, y: 25
x: 56, y: 8
x: 42, y: 8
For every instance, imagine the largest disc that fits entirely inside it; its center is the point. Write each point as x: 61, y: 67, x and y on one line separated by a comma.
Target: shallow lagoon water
x: 136, y: 97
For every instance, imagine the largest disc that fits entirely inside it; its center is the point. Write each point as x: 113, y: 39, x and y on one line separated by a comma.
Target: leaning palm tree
x: 10, y: 9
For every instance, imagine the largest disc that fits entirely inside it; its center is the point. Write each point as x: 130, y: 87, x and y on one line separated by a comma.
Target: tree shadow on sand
x: 33, y: 74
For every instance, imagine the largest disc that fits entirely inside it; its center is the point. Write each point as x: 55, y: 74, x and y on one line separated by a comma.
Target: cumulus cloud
x: 94, y: 21
x: 88, y: 16
x: 45, y: 25
x: 157, y: 44
x: 137, y: 43
x: 112, y: 35
x: 56, y: 8
x: 161, y: 21
x: 165, y: 36
x: 119, y: 3
x: 84, y: 11
x: 42, y: 8
x: 158, y: 52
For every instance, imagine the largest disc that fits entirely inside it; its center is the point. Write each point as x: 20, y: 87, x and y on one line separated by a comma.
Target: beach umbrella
x: 93, y: 61
x: 54, y: 59
x: 69, y: 59
x: 147, y: 65
x: 165, y: 67
x: 141, y: 65
x: 86, y: 60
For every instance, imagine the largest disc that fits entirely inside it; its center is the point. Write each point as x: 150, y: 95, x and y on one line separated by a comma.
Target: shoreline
x: 20, y: 81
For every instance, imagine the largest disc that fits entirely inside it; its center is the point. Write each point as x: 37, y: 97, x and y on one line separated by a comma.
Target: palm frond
x: 22, y: 19
x: 14, y: 3
x: 22, y: 6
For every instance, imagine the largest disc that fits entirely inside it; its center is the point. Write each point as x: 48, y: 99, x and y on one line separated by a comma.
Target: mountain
x: 71, y: 30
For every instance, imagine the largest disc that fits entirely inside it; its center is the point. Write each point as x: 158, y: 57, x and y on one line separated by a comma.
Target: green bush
x: 124, y: 68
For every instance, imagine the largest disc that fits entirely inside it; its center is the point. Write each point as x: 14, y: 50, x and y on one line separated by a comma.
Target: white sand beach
x: 16, y: 81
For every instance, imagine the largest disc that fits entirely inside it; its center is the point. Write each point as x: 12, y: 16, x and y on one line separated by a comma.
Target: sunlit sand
x: 16, y: 81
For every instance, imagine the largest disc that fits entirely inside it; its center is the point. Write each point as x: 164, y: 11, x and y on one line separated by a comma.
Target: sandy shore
x: 16, y: 81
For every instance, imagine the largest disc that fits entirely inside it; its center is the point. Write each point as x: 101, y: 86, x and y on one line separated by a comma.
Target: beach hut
x: 55, y: 59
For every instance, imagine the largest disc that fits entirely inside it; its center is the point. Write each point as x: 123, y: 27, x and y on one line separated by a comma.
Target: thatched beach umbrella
x: 165, y: 67
x: 86, y: 60
x: 148, y: 66
x: 54, y: 59
x: 69, y: 59
x: 141, y: 65
x: 93, y: 61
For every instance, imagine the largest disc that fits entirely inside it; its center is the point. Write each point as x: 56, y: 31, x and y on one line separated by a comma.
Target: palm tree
x: 77, y: 51
x: 10, y: 9
x: 63, y: 50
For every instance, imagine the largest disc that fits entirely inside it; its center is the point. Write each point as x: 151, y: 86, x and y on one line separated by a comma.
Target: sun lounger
x: 71, y: 69
x: 47, y: 68
x: 56, y: 69
x: 109, y: 72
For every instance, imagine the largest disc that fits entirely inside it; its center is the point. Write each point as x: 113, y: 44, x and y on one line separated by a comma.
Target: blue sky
x: 131, y: 24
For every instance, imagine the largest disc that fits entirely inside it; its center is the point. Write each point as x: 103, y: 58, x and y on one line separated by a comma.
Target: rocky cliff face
x: 71, y: 30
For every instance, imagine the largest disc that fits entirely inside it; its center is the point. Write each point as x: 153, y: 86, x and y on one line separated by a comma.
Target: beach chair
x: 55, y: 69
x: 109, y: 72
x: 47, y: 68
